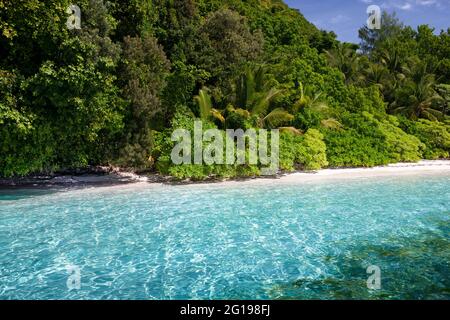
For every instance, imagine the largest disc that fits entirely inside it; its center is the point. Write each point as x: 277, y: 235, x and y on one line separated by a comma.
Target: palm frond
x: 263, y: 101
x: 277, y: 117
x: 292, y: 130
x: 216, y: 114
x: 331, y: 124
x: 204, y: 103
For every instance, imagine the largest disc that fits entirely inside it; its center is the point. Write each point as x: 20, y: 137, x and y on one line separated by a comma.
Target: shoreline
x: 107, y: 177
x: 424, y: 167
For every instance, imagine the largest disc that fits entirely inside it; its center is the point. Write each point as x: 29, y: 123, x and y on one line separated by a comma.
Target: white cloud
x: 407, y: 5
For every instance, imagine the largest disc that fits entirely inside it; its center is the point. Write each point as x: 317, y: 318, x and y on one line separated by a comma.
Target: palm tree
x: 420, y: 99
x: 308, y: 99
x: 253, y: 96
x: 390, y: 57
x: 376, y: 74
x: 252, y: 99
x: 444, y: 92
x: 207, y: 112
x: 417, y: 97
x: 314, y: 102
x: 344, y: 58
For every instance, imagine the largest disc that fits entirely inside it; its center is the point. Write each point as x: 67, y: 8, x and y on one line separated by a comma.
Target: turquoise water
x: 264, y: 240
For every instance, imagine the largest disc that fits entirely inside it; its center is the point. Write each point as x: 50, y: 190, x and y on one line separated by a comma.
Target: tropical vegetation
x: 112, y: 92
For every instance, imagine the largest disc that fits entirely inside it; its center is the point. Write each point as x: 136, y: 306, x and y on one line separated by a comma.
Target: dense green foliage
x: 112, y: 92
x: 306, y: 152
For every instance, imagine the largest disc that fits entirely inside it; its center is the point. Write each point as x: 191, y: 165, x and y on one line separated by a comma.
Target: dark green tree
x: 143, y: 70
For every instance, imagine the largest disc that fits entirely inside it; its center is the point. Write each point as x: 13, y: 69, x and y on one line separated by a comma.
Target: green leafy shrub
x: 289, y: 144
x: 362, y: 143
x: 312, y: 155
x: 400, y: 145
x: 349, y: 148
x: 306, y: 152
x: 369, y: 142
x: 435, y: 135
x: 366, y: 100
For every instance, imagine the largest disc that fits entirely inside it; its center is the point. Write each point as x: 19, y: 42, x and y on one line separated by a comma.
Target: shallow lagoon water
x: 266, y: 240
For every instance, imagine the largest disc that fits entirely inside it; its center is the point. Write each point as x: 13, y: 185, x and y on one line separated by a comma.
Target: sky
x: 345, y: 17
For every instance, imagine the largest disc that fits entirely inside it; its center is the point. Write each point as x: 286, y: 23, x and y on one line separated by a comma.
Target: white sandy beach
x: 434, y: 167
x: 422, y: 168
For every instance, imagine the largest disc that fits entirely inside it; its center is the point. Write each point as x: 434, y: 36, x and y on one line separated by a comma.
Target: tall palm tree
x: 391, y: 58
